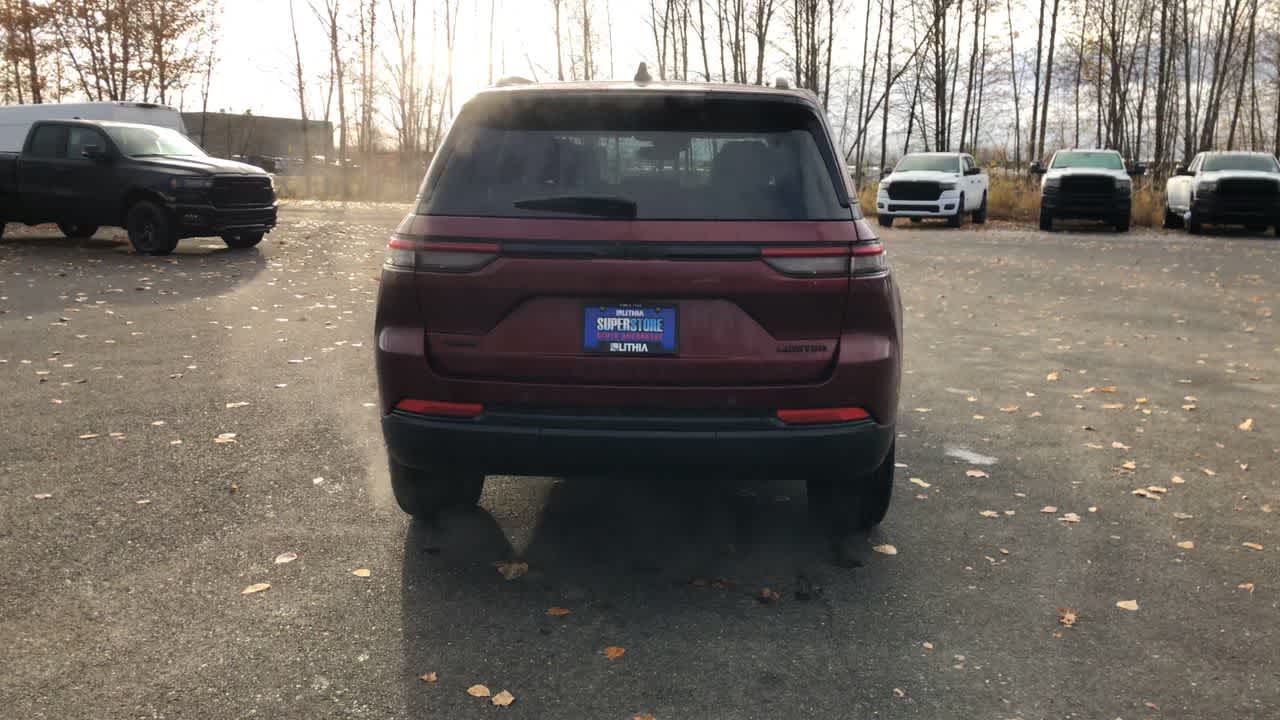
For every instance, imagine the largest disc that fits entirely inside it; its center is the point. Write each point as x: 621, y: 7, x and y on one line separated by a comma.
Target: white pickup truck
x: 1225, y: 188
x: 933, y: 185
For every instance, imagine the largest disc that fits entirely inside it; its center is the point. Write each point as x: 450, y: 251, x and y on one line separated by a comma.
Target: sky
x: 255, y: 73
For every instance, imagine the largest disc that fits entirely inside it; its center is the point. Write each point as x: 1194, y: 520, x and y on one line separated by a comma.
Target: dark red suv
x: 621, y: 276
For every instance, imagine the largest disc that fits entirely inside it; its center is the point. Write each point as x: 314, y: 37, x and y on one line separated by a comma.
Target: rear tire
x: 980, y: 215
x: 853, y: 504
x: 1122, y: 224
x: 1046, y: 221
x: 1172, y: 220
x: 150, y: 229
x: 957, y: 220
x: 1256, y: 228
x: 423, y: 492
x: 242, y: 240
x: 77, y: 230
x: 885, y: 220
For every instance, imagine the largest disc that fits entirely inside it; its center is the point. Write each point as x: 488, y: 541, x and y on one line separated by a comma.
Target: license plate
x: 629, y: 329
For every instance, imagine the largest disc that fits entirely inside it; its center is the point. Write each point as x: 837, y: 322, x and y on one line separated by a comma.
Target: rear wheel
x: 242, y: 240
x: 1122, y: 223
x: 1257, y: 228
x: 1046, y: 221
x: 77, y: 230
x: 980, y: 215
x: 957, y: 220
x: 423, y: 492
x: 885, y: 220
x: 1172, y: 220
x: 151, y: 229
x: 853, y: 504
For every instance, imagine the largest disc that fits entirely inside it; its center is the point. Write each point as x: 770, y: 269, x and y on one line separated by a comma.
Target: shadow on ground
x: 668, y: 569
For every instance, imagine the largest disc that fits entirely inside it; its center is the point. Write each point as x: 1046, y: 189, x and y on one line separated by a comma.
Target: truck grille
x: 241, y: 192
x: 1248, y: 189
x: 1088, y: 185
x: 914, y: 190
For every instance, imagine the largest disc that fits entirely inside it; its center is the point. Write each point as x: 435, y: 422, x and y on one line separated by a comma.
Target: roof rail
x: 512, y: 80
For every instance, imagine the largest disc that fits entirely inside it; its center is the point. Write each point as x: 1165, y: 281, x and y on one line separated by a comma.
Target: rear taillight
x: 868, y: 259
x: 822, y: 416
x: 440, y: 408
x: 407, y: 253
x: 813, y: 261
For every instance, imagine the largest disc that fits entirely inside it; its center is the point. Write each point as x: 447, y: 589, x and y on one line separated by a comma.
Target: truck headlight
x: 1207, y: 186
x: 191, y: 183
x: 947, y: 185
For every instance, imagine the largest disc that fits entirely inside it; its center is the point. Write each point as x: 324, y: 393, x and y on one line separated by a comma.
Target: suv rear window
x: 653, y: 157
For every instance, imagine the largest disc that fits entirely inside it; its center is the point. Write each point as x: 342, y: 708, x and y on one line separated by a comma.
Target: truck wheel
x: 1172, y: 220
x: 150, y: 229
x: 852, y: 504
x: 242, y: 240
x: 980, y: 215
x: 77, y: 230
x: 1194, y: 224
x: 423, y: 492
x: 1256, y: 228
x: 1122, y: 224
x: 885, y: 220
x: 957, y: 220
x: 1046, y: 221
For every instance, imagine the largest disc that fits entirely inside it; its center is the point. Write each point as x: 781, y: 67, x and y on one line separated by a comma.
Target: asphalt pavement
x: 179, y: 430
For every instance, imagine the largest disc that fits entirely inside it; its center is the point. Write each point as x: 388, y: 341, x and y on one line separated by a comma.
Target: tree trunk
x: 559, y: 53
x: 888, y: 86
x: 1048, y: 79
x: 1035, y: 96
x: 1013, y: 73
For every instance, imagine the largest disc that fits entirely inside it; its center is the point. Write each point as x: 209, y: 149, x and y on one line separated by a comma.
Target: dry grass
x: 1015, y: 199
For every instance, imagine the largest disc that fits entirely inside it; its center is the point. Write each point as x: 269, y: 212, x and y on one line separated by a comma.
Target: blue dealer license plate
x: 629, y: 329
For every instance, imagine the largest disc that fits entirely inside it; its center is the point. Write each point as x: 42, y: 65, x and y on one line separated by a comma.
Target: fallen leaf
x: 1130, y: 605
x: 1119, y: 445
x: 1208, y: 472
x: 503, y: 699
x: 989, y: 514
x: 921, y: 483
x: 478, y: 691
x: 1187, y: 545
x: 1107, y: 389
x: 1050, y: 509
x: 766, y: 596
x: 1009, y: 409
x: 613, y: 652
x: 645, y: 716
x: 1144, y: 493
x: 429, y: 678
x: 361, y: 572
x: 557, y: 611
x: 1052, y: 377
x: 1070, y: 518
x: 1129, y: 465
x: 1182, y: 516
x: 899, y: 693
x: 286, y: 557
x: 928, y: 646
x: 1245, y: 586
x: 1177, y: 480
x: 1252, y: 546
x: 240, y: 404
x: 976, y: 473
x: 42, y: 496
x: 886, y: 549
x: 255, y: 588
x: 225, y: 438
x: 1247, y: 425
x: 923, y: 410
x: 1113, y: 406
x: 511, y: 570
x: 88, y: 436
x: 1067, y: 617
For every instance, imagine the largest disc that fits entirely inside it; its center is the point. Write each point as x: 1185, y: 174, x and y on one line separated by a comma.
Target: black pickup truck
x: 152, y: 181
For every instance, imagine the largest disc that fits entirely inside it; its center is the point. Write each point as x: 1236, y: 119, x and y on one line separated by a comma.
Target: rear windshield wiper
x: 599, y: 205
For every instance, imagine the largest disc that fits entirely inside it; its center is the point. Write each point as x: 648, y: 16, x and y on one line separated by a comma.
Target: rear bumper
x: 198, y: 219
x: 506, y: 442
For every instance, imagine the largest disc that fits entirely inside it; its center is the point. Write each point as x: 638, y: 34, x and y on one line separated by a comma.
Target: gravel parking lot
x: 1084, y: 522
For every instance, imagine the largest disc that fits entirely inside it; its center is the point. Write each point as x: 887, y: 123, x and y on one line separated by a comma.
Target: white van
x: 16, y: 120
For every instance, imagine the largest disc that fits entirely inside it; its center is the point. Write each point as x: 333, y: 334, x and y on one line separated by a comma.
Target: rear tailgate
x: 739, y: 319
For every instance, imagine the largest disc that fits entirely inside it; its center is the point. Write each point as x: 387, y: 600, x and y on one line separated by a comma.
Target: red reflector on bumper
x: 442, y: 409
x: 815, y: 416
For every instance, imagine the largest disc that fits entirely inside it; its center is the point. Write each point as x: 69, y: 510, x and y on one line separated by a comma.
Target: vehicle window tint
x: 968, y: 163
x: 49, y: 141
x: 79, y: 138
x: 673, y: 158
x: 1239, y: 161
